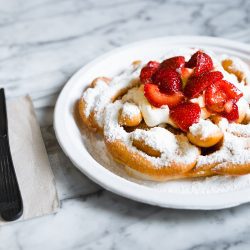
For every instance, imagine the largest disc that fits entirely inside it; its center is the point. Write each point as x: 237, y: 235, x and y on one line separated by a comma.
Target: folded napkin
x: 34, y: 175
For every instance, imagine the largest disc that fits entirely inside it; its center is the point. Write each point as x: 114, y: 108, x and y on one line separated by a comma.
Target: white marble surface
x: 42, y: 43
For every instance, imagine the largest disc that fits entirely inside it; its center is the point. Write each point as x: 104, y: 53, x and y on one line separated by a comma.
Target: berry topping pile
x: 174, y: 82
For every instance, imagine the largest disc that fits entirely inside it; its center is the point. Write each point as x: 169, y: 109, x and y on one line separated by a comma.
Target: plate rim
x: 94, y: 170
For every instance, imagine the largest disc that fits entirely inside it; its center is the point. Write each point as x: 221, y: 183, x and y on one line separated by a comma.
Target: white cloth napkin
x: 35, y: 177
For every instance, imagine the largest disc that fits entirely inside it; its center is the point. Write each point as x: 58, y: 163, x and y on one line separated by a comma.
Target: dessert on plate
x: 182, y: 116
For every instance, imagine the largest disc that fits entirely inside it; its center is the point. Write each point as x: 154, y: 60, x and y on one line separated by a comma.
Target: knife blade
x: 11, y: 205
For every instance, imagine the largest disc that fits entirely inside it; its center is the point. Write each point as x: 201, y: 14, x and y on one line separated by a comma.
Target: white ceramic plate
x: 216, y: 193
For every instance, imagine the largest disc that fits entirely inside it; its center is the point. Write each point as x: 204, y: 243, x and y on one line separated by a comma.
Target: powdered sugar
x: 92, y: 94
x: 233, y: 150
x: 158, y: 138
x: 124, y: 81
x: 185, y: 153
x: 242, y: 130
x: 130, y: 110
x: 209, y: 185
x: 97, y: 98
x: 112, y: 130
x: 204, y: 129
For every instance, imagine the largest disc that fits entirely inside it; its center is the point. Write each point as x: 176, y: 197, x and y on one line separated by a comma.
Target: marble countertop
x: 42, y: 43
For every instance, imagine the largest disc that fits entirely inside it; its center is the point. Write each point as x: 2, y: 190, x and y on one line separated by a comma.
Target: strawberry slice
x: 158, y: 99
x: 153, y: 64
x: 196, y: 84
x: 148, y: 71
x: 230, y: 89
x: 232, y: 114
x: 215, y: 99
x: 168, y: 80
x: 219, y: 93
x: 185, y: 114
x: 201, y: 62
x: 173, y: 63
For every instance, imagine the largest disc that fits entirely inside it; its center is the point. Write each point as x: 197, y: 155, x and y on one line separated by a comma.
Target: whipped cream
x: 97, y: 98
x: 152, y: 116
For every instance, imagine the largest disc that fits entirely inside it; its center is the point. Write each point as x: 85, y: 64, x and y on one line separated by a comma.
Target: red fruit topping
x: 233, y: 114
x: 168, y: 80
x: 173, y: 62
x: 153, y: 64
x: 218, y: 94
x: 148, y: 71
x: 158, y: 99
x: 231, y: 91
x: 196, y: 84
x: 201, y: 62
x: 215, y: 99
x: 185, y: 114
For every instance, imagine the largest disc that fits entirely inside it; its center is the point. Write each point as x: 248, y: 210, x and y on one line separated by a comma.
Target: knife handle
x: 11, y: 205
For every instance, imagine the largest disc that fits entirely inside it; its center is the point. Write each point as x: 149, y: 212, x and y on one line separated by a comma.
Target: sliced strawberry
x: 196, y: 84
x: 230, y: 89
x: 219, y: 94
x: 153, y: 64
x: 185, y: 114
x: 215, y: 99
x: 232, y: 114
x: 168, y: 80
x: 173, y: 62
x: 148, y: 71
x: 146, y: 74
x: 158, y: 99
x: 201, y: 62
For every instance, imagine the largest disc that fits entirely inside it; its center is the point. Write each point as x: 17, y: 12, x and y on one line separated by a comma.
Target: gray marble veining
x: 42, y: 43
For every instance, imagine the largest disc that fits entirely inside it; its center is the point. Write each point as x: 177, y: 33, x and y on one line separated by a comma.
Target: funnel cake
x: 182, y: 117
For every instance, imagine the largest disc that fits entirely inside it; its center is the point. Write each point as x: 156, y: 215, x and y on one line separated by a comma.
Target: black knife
x: 11, y: 205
